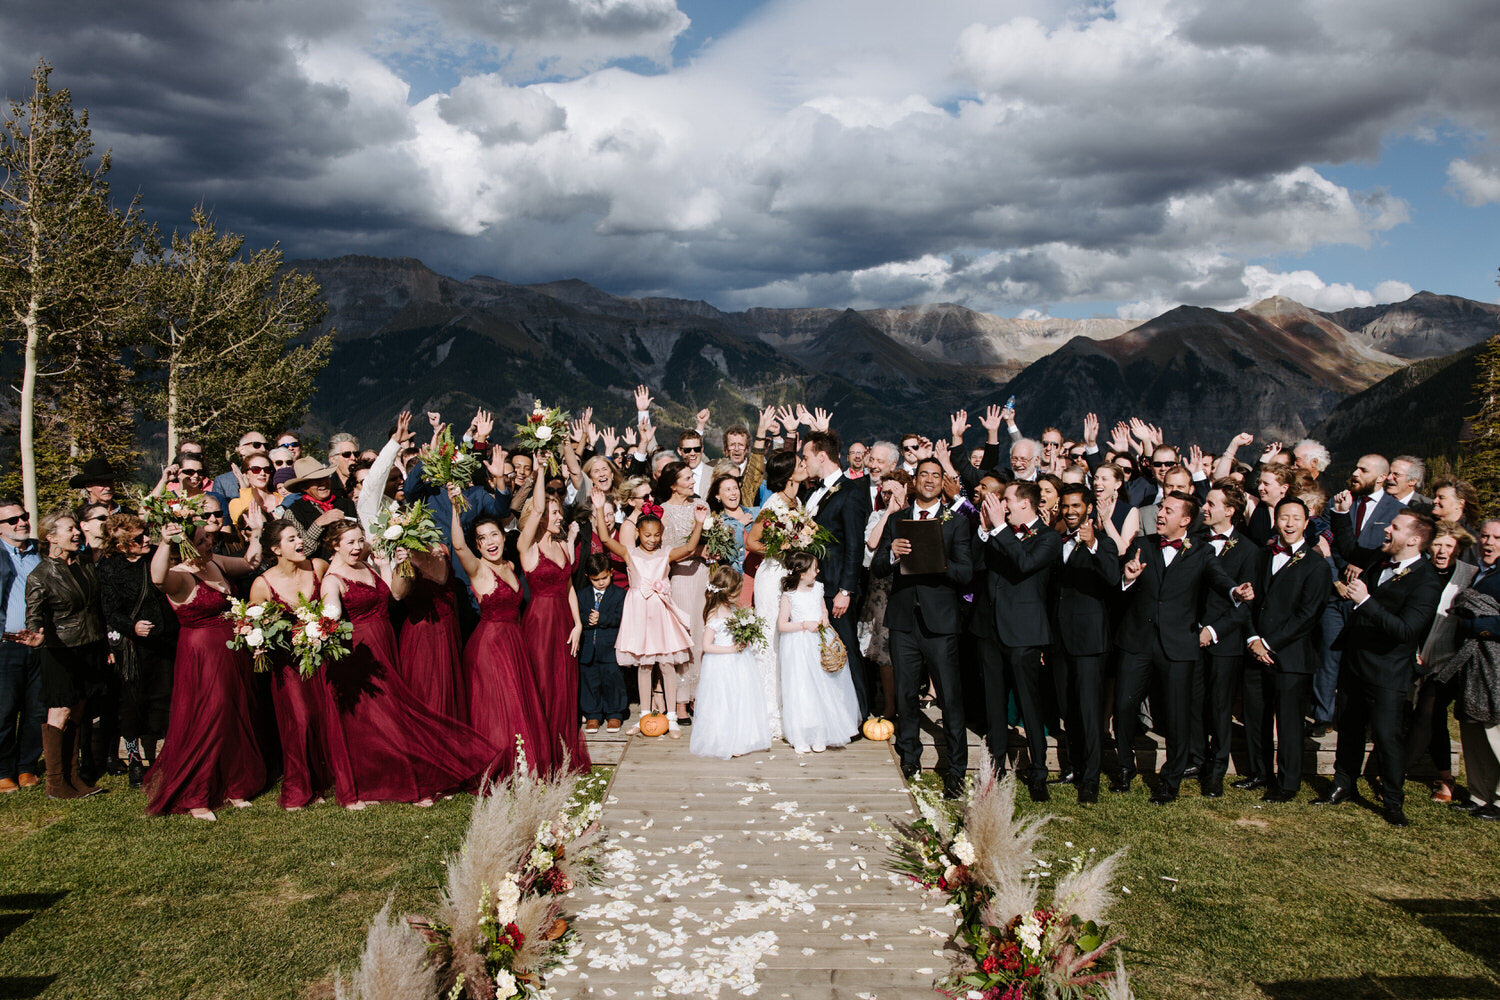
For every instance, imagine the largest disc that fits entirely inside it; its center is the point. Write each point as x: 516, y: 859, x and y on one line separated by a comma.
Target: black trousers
x: 1023, y: 674
x: 1366, y: 708
x: 910, y: 651
x: 1083, y: 686
x: 1289, y: 695
x: 144, y: 701
x: 1137, y: 670
x: 846, y: 627
x: 1259, y: 716
x: 1428, y: 732
x: 993, y: 689
x: 1221, y: 681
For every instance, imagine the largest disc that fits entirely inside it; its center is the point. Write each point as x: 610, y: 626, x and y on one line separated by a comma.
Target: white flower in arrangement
x: 543, y: 432
x: 113, y: 636
x: 1029, y: 933
x: 255, y: 610
x: 255, y: 638
x: 505, y: 984
x: 391, y: 533
x: 951, y: 872
x: 395, y: 506
x: 962, y: 849
x: 314, y: 631
x: 507, y: 901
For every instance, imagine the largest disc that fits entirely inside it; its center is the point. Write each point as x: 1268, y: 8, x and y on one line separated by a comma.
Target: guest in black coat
x: 925, y: 616
x: 1221, y: 638
x: 1394, y: 604
x: 602, y: 695
x: 1085, y: 579
x: 839, y: 504
x: 1019, y: 552
x: 1292, y: 584
x: 1164, y: 580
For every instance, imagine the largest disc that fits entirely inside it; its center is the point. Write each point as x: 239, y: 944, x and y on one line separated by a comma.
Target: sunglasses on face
x: 23, y: 516
x: 140, y: 539
x: 290, y: 443
x: 908, y: 447
x: 256, y: 445
x: 343, y: 454
x: 96, y: 517
x: 691, y: 450
x: 281, y: 463
x: 190, y: 472
x: 260, y: 470
x: 1162, y: 465
x: 215, y: 514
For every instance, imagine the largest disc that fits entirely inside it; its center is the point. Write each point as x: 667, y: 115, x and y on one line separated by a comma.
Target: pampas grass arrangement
x: 393, y: 966
x: 1010, y: 946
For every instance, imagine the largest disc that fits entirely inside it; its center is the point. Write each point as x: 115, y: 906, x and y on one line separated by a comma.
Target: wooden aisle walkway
x: 760, y: 876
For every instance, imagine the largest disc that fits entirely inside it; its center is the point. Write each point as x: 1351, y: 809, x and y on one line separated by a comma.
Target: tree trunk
x: 172, y: 392
x: 28, y: 412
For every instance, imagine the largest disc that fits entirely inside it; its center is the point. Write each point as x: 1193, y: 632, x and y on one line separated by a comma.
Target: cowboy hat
x: 95, y: 471
x: 309, y: 471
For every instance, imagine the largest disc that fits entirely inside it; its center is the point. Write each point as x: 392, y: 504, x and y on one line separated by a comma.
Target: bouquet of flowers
x: 747, y: 627
x: 160, y: 511
x: 543, y: 433
x: 258, y: 629
x: 446, y: 462
x: 413, y: 529
x: 792, y: 531
x: 718, y: 540
x: 316, y: 638
x: 1012, y: 947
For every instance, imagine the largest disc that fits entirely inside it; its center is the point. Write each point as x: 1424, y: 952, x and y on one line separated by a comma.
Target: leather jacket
x: 62, y: 602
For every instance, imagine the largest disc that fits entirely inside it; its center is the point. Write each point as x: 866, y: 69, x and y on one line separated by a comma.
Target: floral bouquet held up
x: 718, y: 540
x: 1011, y: 946
x: 413, y: 529
x: 543, y: 433
x: 316, y: 638
x: 446, y: 462
x: 792, y: 531
x: 160, y: 511
x: 747, y: 629
x: 258, y: 629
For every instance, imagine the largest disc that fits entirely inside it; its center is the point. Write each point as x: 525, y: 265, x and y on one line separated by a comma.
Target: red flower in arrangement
x: 535, y: 418
x: 556, y: 882
x: 1016, y: 992
x: 991, y: 964
x: 514, y: 934
x: 1032, y: 970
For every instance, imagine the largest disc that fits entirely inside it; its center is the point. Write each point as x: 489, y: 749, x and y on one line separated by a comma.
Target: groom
x: 838, y: 504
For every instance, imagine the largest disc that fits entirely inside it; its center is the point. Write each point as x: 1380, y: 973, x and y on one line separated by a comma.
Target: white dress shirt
x: 818, y: 495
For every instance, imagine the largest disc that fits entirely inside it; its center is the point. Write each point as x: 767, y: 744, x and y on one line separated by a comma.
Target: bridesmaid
x: 383, y: 745
x: 503, y: 702
x: 552, y: 625
x: 298, y: 716
x: 430, y: 650
x: 724, y: 496
x: 211, y: 753
x: 674, y: 491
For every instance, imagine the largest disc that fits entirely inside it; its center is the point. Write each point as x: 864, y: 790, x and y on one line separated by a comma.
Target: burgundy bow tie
x: 1022, y: 531
x: 1278, y: 549
x: 1385, y: 565
x: 1216, y: 537
x: 1169, y: 543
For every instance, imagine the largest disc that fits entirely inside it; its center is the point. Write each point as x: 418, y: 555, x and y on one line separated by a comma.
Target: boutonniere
x: 1186, y: 544
x: 946, y: 515
x: 1398, y: 574
x: 1296, y: 558
x: 1230, y: 543
x: 834, y: 489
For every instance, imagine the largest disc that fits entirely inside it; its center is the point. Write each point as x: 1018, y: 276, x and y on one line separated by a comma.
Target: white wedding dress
x: 768, y: 579
x: 820, y: 709
x: 729, y: 717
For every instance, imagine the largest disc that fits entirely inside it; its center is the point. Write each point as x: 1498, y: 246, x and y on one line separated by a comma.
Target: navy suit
x: 601, y: 689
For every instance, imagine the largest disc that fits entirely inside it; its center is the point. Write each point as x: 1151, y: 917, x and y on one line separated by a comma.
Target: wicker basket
x: 831, y: 650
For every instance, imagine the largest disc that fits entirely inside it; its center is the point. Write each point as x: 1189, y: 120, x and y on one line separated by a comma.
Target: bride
x: 785, y: 474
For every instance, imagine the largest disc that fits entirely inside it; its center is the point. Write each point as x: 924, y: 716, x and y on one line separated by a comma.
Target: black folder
x: 928, y: 554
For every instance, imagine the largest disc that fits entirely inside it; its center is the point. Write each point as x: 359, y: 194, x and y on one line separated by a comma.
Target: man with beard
x: 837, y: 504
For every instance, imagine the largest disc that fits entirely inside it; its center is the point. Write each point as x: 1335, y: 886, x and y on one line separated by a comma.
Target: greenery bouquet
x: 413, y: 529
x: 446, y: 461
x: 543, y: 433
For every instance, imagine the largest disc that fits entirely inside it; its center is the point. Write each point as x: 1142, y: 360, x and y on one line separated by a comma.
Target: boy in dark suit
x: 601, y: 689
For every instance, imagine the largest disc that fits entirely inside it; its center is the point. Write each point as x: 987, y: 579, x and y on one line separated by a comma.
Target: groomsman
x: 1292, y: 583
x: 1020, y: 551
x: 1085, y: 579
x: 925, y: 616
x: 838, y: 504
x: 1394, y: 602
x: 1221, y: 637
x: 1163, y: 583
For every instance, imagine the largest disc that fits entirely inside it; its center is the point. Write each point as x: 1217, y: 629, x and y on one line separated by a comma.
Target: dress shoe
x: 28, y: 780
x: 910, y: 771
x: 1038, y: 790
x: 1335, y: 795
x: 1490, y: 813
x: 1465, y: 805
x: 1213, y: 788
x: 1192, y: 771
x: 137, y: 773
x: 7, y: 785
x: 1065, y: 778
x: 1163, y: 796
x: 114, y: 767
x: 1120, y: 782
x: 1320, y: 730
x: 953, y: 787
x: 1088, y: 793
x: 1278, y: 795
x: 1394, y: 816
x: 1250, y: 784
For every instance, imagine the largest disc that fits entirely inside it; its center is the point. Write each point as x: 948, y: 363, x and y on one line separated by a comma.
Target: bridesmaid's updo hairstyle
x: 337, y: 531
x: 797, y: 565
x: 724, y: 586
x: 667, y: 480
x: 779, y: 469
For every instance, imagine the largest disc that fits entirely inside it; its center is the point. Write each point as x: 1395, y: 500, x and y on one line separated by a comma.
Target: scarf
x: 1478, y: 660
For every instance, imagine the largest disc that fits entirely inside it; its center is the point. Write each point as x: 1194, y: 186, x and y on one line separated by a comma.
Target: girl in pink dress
x: 653, y: 631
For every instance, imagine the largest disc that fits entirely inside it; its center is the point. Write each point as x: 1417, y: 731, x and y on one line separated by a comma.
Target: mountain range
x: 409, y: 337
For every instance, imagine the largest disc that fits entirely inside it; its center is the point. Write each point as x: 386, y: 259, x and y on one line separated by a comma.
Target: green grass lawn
x: 97, y: 900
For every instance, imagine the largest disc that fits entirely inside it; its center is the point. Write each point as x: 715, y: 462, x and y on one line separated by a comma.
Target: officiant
x: 928, y: 554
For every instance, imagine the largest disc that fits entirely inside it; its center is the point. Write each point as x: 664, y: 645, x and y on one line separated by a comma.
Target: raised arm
x: 373, y: 494
x: 532, y: 529
x: 601, y: 532
x: 466, y: 557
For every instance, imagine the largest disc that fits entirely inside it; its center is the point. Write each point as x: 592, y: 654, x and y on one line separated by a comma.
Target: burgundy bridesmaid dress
x: 430, y: 650
x: 299, y: 723
x: 211, y: 753
x: 503, y: 699
x: 383, y: 745
x: 545, y: 628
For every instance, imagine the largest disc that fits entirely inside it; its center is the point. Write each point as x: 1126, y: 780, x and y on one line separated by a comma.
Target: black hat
x: 95, y: 471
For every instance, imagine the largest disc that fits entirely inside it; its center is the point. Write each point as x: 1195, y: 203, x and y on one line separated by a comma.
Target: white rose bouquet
x: 543, y: 433
x: 259, y: 629
x: 317, y: 638
x: 412, y: 528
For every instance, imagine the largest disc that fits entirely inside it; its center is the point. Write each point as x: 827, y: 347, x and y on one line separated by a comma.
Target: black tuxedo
x: 1016, y: 583
x: 1083, y: 585
x: 843, y: 510
x: 1284, y: 616
x: 925, y: 616
x: 1217, y: 677
x: 601, y: 689
x: 1379, y: 644
x: 1158, y: 640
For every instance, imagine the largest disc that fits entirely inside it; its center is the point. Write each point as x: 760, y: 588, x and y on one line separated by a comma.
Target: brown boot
x: 58, y: 785
x: 70, y: 753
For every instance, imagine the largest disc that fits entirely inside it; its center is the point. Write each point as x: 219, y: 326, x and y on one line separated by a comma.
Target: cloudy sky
x: 1018, y: 156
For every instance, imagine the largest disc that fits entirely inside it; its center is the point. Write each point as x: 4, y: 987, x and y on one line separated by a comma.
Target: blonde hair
x: 49, y: 523
x: 724, y: 586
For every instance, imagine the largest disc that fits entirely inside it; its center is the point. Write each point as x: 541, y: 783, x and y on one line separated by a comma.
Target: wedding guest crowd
x: 1077, y: 588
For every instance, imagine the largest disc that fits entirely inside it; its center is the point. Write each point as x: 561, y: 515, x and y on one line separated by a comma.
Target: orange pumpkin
x: 877, y: 728
x: 654, y: 724
x: 558, y: 929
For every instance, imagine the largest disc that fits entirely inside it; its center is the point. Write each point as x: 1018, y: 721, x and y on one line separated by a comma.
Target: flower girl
x: 818, y: 709
x: 730, y: 717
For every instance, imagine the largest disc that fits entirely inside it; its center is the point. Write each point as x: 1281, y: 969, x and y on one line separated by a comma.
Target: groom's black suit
x: 842, y: 511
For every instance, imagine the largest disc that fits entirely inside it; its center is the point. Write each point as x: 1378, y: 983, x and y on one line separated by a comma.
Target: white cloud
x: 1477, y: 184
x: 1311, y: 290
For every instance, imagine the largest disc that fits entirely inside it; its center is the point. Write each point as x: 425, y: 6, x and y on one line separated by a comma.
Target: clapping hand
x: 1358, y: 590
x: 992, y: 511
x: 1132, y: 570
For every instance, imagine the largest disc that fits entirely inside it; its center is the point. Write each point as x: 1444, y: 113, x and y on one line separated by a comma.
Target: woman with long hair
x: 1112, y: 511
x: 785, y: 473
x: 680, y: 518
x: 726, y: 501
